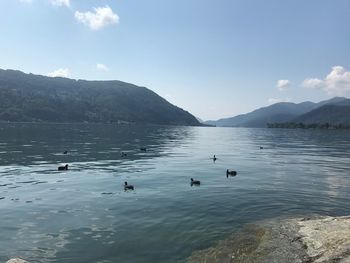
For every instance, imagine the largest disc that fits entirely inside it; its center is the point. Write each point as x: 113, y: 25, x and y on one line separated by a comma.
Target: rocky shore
x: 303, y: 240
x: 16, y: 260
x: 297, y: 240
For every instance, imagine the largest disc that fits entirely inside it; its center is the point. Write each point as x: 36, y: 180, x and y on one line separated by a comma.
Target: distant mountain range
x: 35, y: 98
x: 333, y: 111
x: 336, y: 112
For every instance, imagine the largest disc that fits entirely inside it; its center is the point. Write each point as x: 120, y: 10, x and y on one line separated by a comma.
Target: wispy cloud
x: 53, y: 2
x: 61, y: 72
x: 102, y: 67
x: 282, y: 84
x: 26, y: 1
x: 60, y: 2
x: 337, y: 82
x: 277, y: 100
x: 312, y: 83
x: 99, y: 18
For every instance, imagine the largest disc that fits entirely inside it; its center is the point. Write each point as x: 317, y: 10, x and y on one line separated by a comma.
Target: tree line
x: 300, y: 125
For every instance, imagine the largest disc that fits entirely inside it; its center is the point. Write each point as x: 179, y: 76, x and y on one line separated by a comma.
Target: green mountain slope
x: 276, y: 113
x: 259, y: 118
x: 334, y: 113
x: 28, y: 97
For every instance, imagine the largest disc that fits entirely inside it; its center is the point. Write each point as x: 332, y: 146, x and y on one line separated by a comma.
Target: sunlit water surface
x: 84, y: 214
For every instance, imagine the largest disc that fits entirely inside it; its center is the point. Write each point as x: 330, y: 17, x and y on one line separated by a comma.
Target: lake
x: 84, y: 214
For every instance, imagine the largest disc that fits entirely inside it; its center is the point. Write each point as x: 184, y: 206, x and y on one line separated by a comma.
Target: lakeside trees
x: 300, y: 125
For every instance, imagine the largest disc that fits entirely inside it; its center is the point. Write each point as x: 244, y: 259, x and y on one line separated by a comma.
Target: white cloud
x: 277, y: 100
x: 282, y: 84
x: 101, y: 17
x: 337, y: 82
x: 53, y: 2
x: 102, y: 67
x: 312, y: 83
x: 60, y: 2
x: 61, y: 72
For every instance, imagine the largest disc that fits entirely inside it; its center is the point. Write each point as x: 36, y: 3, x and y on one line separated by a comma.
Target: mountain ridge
x: 275, y: 113
x: 331, y: 113
x: 37, y: 98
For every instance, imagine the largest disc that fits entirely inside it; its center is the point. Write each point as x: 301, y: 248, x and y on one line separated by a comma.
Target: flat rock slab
x: 327, y: 239
x: 16, y: 260
x: 298, y: 240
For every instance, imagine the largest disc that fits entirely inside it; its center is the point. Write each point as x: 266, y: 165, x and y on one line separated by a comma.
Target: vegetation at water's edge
x: 300, y: 125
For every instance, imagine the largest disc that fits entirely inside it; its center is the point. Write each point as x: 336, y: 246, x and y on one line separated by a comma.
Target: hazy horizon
x: 215, y: 59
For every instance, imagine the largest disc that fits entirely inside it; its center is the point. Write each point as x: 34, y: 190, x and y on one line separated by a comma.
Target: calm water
x: 84, y: 215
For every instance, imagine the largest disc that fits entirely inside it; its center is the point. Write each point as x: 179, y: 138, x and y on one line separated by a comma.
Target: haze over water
x: 84, y: 214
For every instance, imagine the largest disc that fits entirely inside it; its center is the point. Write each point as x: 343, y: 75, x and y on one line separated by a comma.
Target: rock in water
x: 16, y: 260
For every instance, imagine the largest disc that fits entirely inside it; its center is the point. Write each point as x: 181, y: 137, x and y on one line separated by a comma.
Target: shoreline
x: 294, y: 240
x: 317, y: 239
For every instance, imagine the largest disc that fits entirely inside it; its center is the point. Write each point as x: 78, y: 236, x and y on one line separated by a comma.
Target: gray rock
x: 327, y: 239
x: 16, y: 260
x: 299, y: 240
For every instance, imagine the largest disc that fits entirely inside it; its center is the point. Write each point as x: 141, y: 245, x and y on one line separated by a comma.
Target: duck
x: 128, y: 186
x: 195, y: 182
x: 261, y: 147
x: 143, y: 149
x: 231, y: 173
x: 123, y: 154
x: 214, y: 158
x: 63, y: 167
x: 65, y: 152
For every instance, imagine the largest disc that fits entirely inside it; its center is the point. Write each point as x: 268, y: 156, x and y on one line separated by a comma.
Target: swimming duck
x: 214, y: 158
x: 143, y: 149
x: 65, y: 152
x: 123, y: 154
x: 128, y: 186
x: 63, y: 167
x: 261, y: 147
x: 231, y: 173
x: 195, y: 182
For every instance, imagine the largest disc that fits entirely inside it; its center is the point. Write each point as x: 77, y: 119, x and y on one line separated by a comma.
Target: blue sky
x: 214, y: 58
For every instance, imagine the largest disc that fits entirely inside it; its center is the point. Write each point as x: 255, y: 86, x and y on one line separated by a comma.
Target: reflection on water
x: 84, y: 214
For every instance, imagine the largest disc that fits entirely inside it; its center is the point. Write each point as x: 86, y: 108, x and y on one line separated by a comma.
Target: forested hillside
x: 28, y: 97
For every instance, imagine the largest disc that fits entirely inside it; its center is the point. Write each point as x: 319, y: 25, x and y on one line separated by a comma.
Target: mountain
x: 259, y: 118
x: 336, y: 112
x: 275, y: 113
x: 35, y: 98
x: 335, y: 100
x: 199, y: 119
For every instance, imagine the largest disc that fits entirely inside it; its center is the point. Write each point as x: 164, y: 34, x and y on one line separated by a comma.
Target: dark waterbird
x: 65, y: 152
x: 143, y: 149
x: 128, y: 186
x: 214, y: 158
x: 230, y: 173
x: 261, y: 147
x: 63, y: 167
x: 123, y: 154
x: 195, y: 182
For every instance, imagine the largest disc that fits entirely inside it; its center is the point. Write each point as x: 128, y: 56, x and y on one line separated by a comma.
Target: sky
x: 213, y: 58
